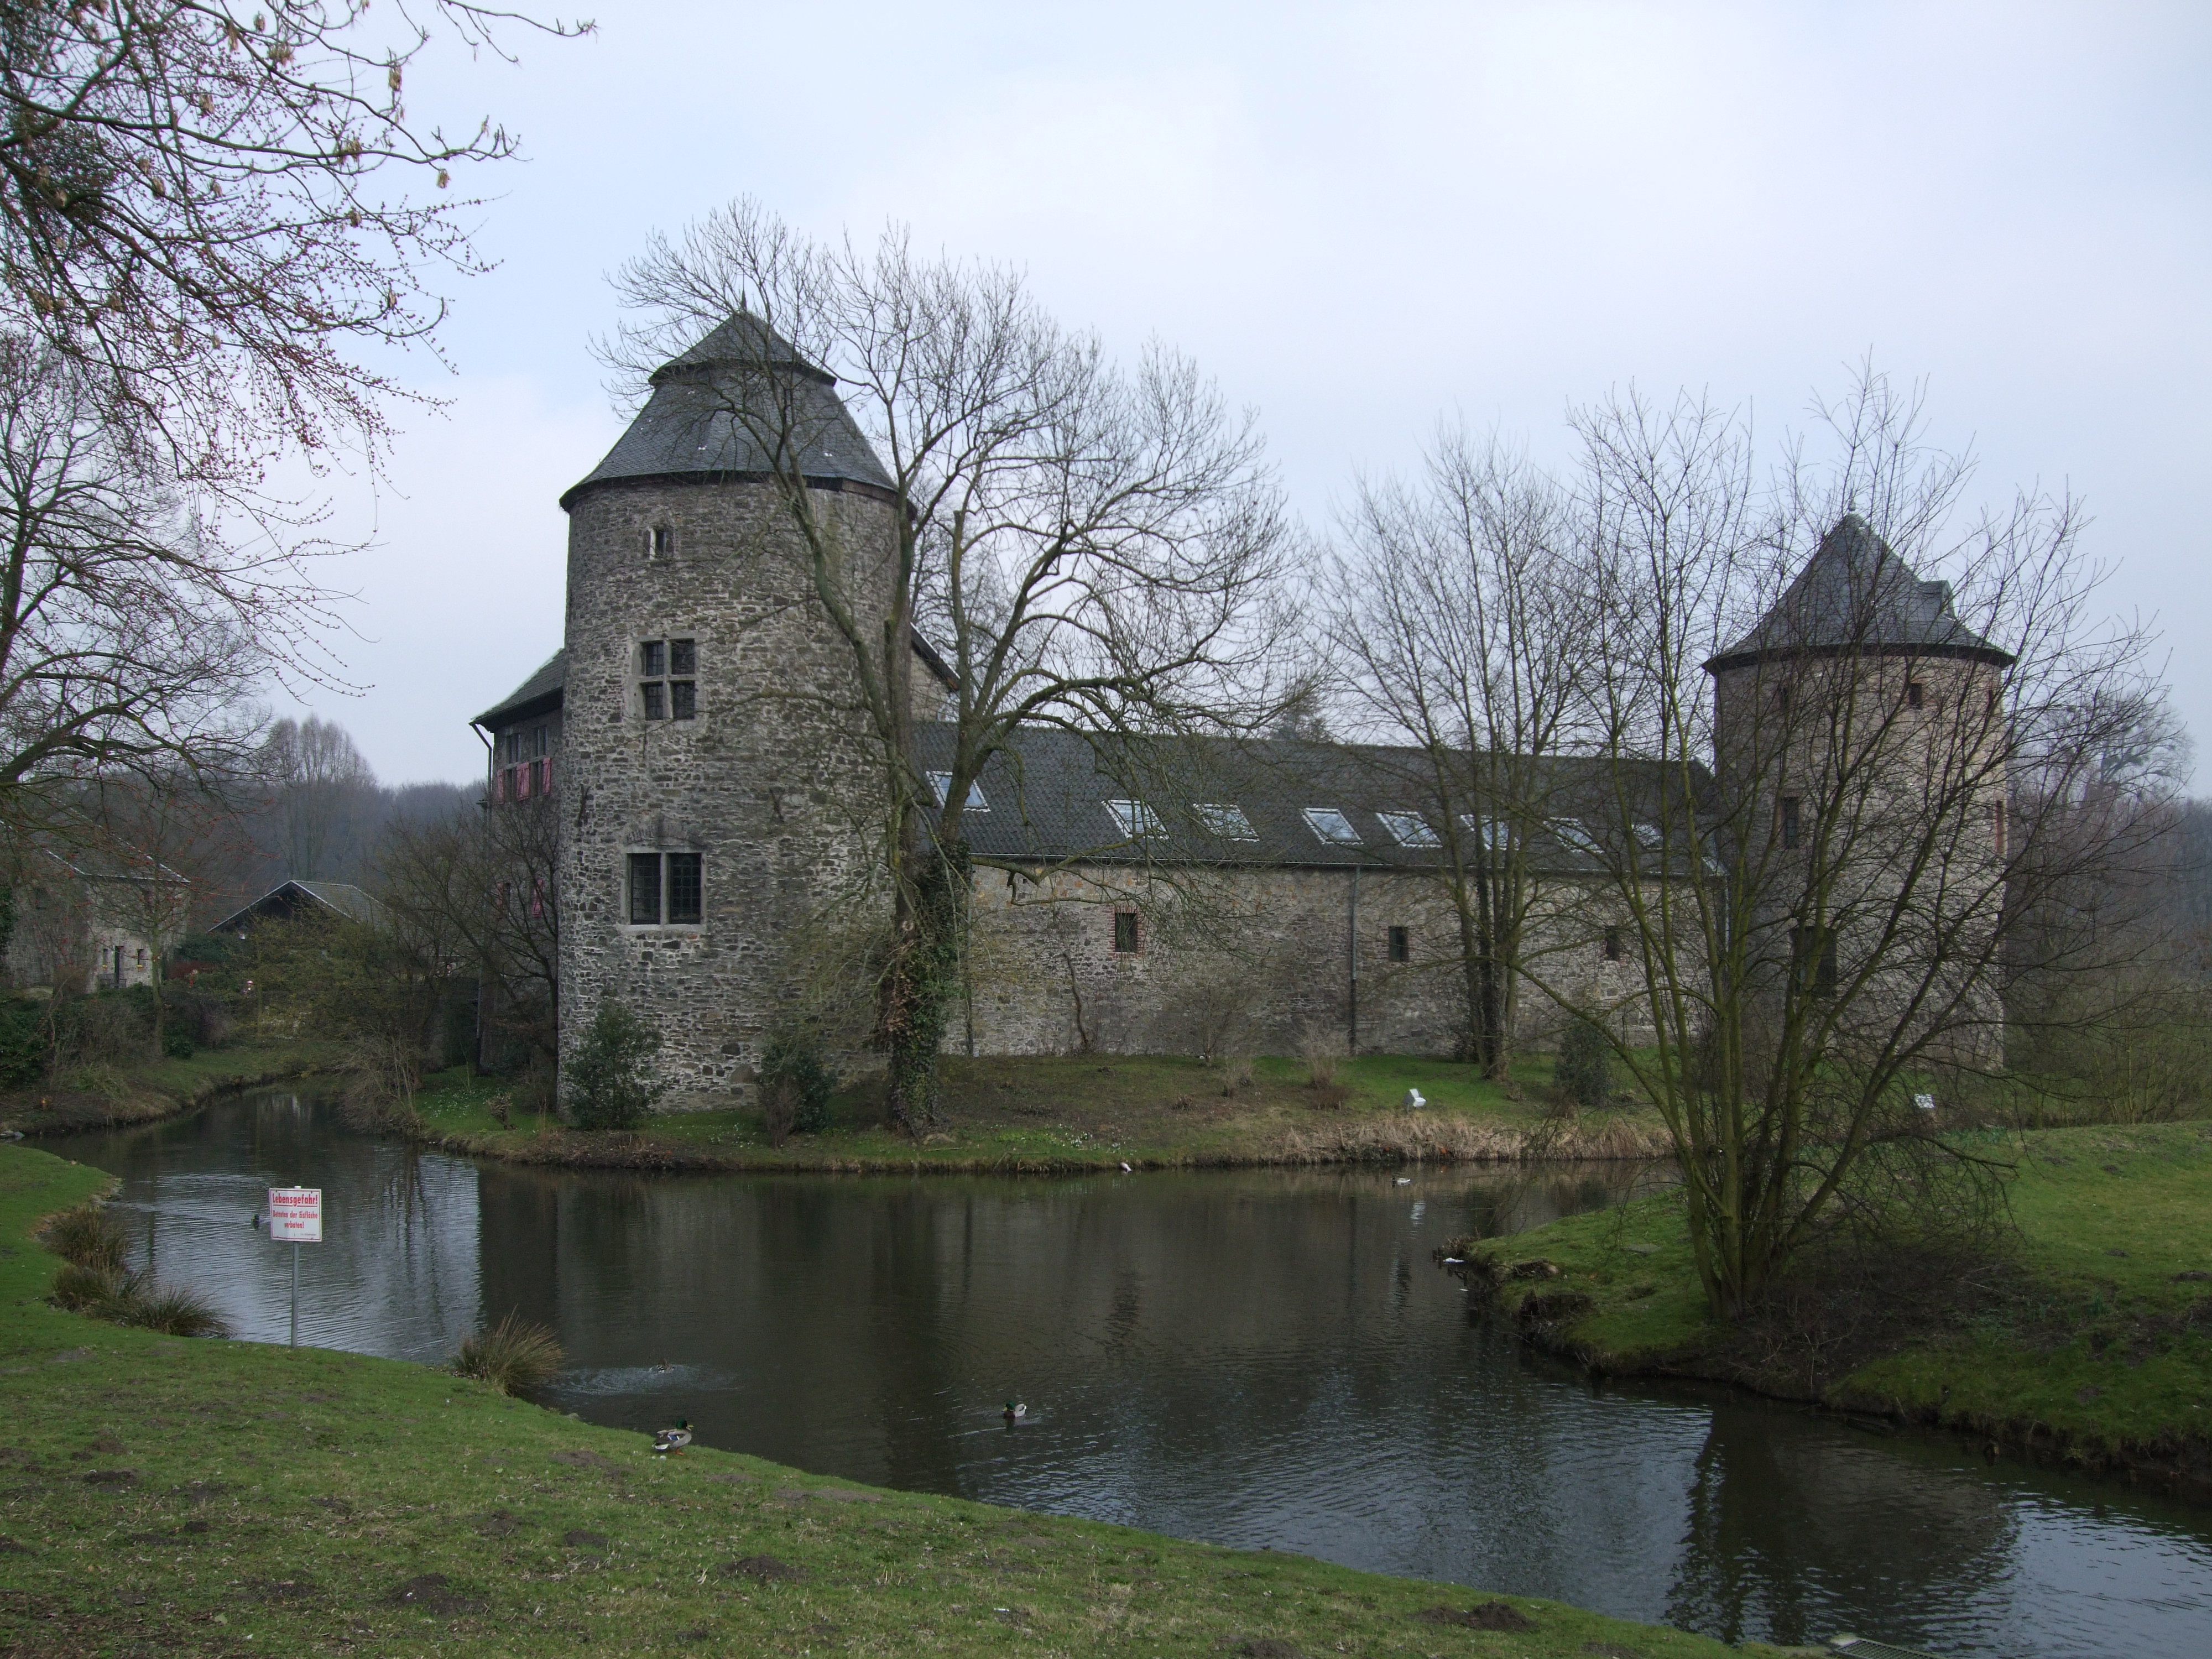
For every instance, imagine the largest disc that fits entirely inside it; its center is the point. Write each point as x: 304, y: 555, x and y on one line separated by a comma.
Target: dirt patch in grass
x: 433, y: 1592
x: 1484, y: 1615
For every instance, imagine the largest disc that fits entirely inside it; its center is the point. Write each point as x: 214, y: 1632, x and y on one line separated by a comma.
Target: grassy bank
x: 1037, y: 1114
x: 221, y: 1497
x: 159, y: 1089
x: 2085, y: 1336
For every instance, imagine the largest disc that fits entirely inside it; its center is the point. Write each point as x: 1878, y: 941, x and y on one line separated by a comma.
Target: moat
x: 1256, y: 1359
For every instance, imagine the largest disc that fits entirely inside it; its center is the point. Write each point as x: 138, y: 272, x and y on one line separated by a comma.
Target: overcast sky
x: 1360, y: 219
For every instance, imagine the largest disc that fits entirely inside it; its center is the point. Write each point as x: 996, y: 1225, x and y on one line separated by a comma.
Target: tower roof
x: 715, y: 408
x: 1855, y: 595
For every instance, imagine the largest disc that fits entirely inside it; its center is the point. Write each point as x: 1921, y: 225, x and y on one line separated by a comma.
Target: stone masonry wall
x: 1249, y: 959
x: 775, y: 783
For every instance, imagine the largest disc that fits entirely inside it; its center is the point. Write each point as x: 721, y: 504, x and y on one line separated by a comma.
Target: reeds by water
x: 513, y: 1355
x: 93, y: 1281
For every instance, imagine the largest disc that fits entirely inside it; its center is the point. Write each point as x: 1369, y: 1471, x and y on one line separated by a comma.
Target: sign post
x: 295, y: 1215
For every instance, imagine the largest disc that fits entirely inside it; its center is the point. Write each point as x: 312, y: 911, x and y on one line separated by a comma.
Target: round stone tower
x: 719, y: 779
x: 1858, y: 736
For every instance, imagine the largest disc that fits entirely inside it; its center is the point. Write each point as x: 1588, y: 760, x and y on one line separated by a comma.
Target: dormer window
x: 1331, y: 825
x: 941, y: 784
x: 1133, y: 817
x: 1408, y: 829
x: 1224, y: 819
x: 667, y: 687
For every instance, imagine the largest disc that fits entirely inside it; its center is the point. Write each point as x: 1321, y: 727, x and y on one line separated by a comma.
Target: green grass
x: 2099, y: 1350
x: 1045, y: 1112
x: 196, y: 1496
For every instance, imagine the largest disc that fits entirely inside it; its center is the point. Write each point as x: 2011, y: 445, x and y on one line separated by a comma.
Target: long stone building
x: 720, y: 805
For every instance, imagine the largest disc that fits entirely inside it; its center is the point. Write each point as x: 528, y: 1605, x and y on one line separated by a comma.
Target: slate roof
x: 1046, y: 801
x: 1854, y: 594
x: 690, y: 424
x: 539, y: 694
x: 284, y: 899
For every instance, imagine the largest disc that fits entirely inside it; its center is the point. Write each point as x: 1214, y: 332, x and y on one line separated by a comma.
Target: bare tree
x: 1097, y: 548
x: 1454, y: 620
x: 197, y: 212
x: 322, y: 785
x: 1857, y: 737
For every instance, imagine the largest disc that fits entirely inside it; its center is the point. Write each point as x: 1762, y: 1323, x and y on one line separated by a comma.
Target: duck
x: 1015, y: 1411
x: 673, y: 1440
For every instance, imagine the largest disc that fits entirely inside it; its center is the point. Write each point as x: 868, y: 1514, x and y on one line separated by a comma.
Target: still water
x: 1250, y: 1358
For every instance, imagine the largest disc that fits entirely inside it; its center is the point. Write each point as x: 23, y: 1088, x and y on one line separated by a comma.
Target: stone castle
x: 720, y: 803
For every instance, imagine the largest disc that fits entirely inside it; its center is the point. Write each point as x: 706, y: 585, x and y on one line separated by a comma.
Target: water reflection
x: 1254, y: 1358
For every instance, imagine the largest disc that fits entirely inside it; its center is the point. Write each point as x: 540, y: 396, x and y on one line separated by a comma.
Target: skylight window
x: 1407, y: 830
x: 939, y: 782
x: 1491, y: 832
x: 1134, y: 818
x: 1331, y: 825
x: 1577, y: 836
x: 1224, y: 819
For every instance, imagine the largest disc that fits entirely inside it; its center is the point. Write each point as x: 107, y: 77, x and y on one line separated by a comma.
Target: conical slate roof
x: 1854, y: 594
x: 712, y: 407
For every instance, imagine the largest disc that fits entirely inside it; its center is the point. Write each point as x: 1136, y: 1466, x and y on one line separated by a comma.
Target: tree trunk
x: 923, y: 981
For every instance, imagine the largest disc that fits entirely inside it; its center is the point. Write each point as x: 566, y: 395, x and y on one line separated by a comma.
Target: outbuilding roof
x: 291, y: 898
x: 1854, y: 594
x: 539, y: 694
x: 712, y: 406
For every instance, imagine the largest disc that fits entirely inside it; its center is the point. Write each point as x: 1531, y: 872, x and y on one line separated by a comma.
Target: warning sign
x: 295, y: 1214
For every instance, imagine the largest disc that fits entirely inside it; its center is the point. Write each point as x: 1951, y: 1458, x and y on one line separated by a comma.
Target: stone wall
x: 776, y: 783
x: 1256, y: 960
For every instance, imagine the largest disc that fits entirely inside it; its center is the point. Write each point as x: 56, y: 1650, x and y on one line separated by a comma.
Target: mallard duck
x: 675, y: 1439
x: 1014, y: 1411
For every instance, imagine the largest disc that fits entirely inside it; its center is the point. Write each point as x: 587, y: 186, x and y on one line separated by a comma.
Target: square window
x: 1792, y: 822
x: 1331, y: 825
x: 1224, y: 819
x: 683, y: 896
x: 683, y: 656
x: 1125, y: 933
x: 1401, y: 945
x: 1134, y: 818
x: 645, y: 889
x: 653, y: 659
x: 1408, y: 829
x: 682, y: 699
x: 941, y: 781
x: 656, y: 700
x: 1612, y: 944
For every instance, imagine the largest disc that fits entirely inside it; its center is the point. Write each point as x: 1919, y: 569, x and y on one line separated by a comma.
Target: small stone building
x: 88, y: 921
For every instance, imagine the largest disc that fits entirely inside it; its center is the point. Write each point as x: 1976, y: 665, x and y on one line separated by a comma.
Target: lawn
x: 162, y: 1496
x: 1042, y: 1112
x: 2093, y: 1342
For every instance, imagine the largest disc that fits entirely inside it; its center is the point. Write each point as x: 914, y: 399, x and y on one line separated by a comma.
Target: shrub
x: 22, y: 1041
x: 514, y: 1354
x: 1585, y: 1069
x: 1318, y: 1048
x: 88, y: 1236
x: 177, y: 1043
x: 1235, y: 1073
x: 608, y: 1085
x: 172, y: 1312
x: 794, y: 1080
x: 83, y: 1289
